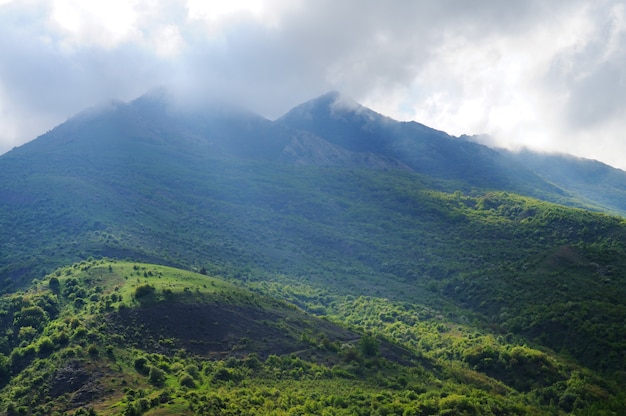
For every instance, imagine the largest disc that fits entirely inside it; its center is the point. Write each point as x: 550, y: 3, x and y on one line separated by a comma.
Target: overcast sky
x: 544, y: 74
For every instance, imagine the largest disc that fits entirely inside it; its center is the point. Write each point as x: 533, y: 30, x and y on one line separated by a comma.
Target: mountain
x: 348, y: 124
x: 589, y: 180
x: 483, y: 295
x: 552, y: 177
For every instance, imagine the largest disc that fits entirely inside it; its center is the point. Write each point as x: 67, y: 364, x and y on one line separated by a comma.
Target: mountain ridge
x: 459, y: 157
x: 223, y: 129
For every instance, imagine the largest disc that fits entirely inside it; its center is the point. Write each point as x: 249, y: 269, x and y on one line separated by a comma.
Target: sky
x: 549, y: 75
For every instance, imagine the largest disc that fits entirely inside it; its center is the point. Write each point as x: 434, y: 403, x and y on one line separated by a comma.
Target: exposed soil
x: 213, y: 329
x: 565, y: 256
x: 80, y: 383
x: 219, y: 329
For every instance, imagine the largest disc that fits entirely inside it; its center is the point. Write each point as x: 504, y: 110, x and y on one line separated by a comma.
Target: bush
x: 4, y: 365
x: 92, y: 349
x: 156, y: 376
x: 143, y: 291
x: 45, y: 345
x: 368, y: 345
x: 53, y: 283
x: 223, y: 374
x: 140, y: 364
x: 186, y: 380
x: 192, y: 370
x: 61, y: 337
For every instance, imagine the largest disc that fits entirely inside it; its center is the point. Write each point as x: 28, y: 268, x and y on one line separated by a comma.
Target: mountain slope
x: 432, y: 152
x: 105, y: 325
x: 110, y: 337
x: 590, y: 180
x: 427, y: 258
x: 307, y: 149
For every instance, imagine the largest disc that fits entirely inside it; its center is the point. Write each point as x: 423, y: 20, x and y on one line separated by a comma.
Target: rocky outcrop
x: 307, y: 149
x: 81, y: 385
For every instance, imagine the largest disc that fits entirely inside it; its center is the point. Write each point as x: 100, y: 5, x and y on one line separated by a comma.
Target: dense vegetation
x: 331, y: 289
x: 70, y: 347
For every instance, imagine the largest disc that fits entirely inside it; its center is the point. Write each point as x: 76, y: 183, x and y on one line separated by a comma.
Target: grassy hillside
x: 498, y: 257
x: 110, y: 337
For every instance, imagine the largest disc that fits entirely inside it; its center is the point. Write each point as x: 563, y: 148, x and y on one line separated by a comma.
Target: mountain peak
x: 334, y: 94
x: 156, y: 97
x: 334, y: 104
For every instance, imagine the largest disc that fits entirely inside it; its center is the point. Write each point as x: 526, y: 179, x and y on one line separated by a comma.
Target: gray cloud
x: 536, y: 73
x: 596, y: 79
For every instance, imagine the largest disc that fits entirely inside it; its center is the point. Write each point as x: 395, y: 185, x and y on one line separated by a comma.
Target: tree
x: 368, y: 345
x: 45, y: 345
x: 4, y: 366
x: 54, y: 284
x: 186, y: 380
x: 143, y: 290
x: 156, y: 376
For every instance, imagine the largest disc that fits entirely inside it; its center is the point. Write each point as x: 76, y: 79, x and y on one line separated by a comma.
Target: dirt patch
x: 206, y: 329
x: 564, y: 256
x: 81, y: 384
x: 217, y: 330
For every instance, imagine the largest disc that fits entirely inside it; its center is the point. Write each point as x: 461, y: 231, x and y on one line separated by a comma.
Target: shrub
x: 156, y: 375
x: 92, y: 349
x: 140, y: 364
x: 223, y: 374
x: 186, y: 380
x: 192, y: 370
x: 44, y: 345
x: 53, y: 283
x: 60, y: 337
x: 368, y: 345
x: 4, y: 365
x: 143, y: 290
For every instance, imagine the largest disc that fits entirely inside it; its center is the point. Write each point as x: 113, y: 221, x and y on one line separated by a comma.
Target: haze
x: 548, y: 75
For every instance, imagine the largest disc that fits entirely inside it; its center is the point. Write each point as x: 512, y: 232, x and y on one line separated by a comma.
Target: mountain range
x: 494, y: 277
x: 333, y: 130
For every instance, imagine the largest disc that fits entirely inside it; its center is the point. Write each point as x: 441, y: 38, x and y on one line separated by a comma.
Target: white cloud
x: 546, y: 74
x: 551, y: 87
x: 168, y: 41
x: 215, y: 10
x: 94, y: 23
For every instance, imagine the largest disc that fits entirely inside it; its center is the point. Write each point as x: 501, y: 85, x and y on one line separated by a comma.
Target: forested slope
x: 110, y: 337
x: 482, y: 286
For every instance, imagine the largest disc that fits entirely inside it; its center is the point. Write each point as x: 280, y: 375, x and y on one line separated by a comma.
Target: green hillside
x: 345, y: 288
x: 109, y: 337
x: 518, y: 268
x: 358, y: 232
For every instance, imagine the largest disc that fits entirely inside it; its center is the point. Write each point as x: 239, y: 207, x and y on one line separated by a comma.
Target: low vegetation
x: 112, y: 337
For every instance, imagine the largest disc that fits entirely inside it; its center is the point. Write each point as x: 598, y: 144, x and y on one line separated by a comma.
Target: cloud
x: 595, y: 75
x: 100, y: 24
x: 545, y: 74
